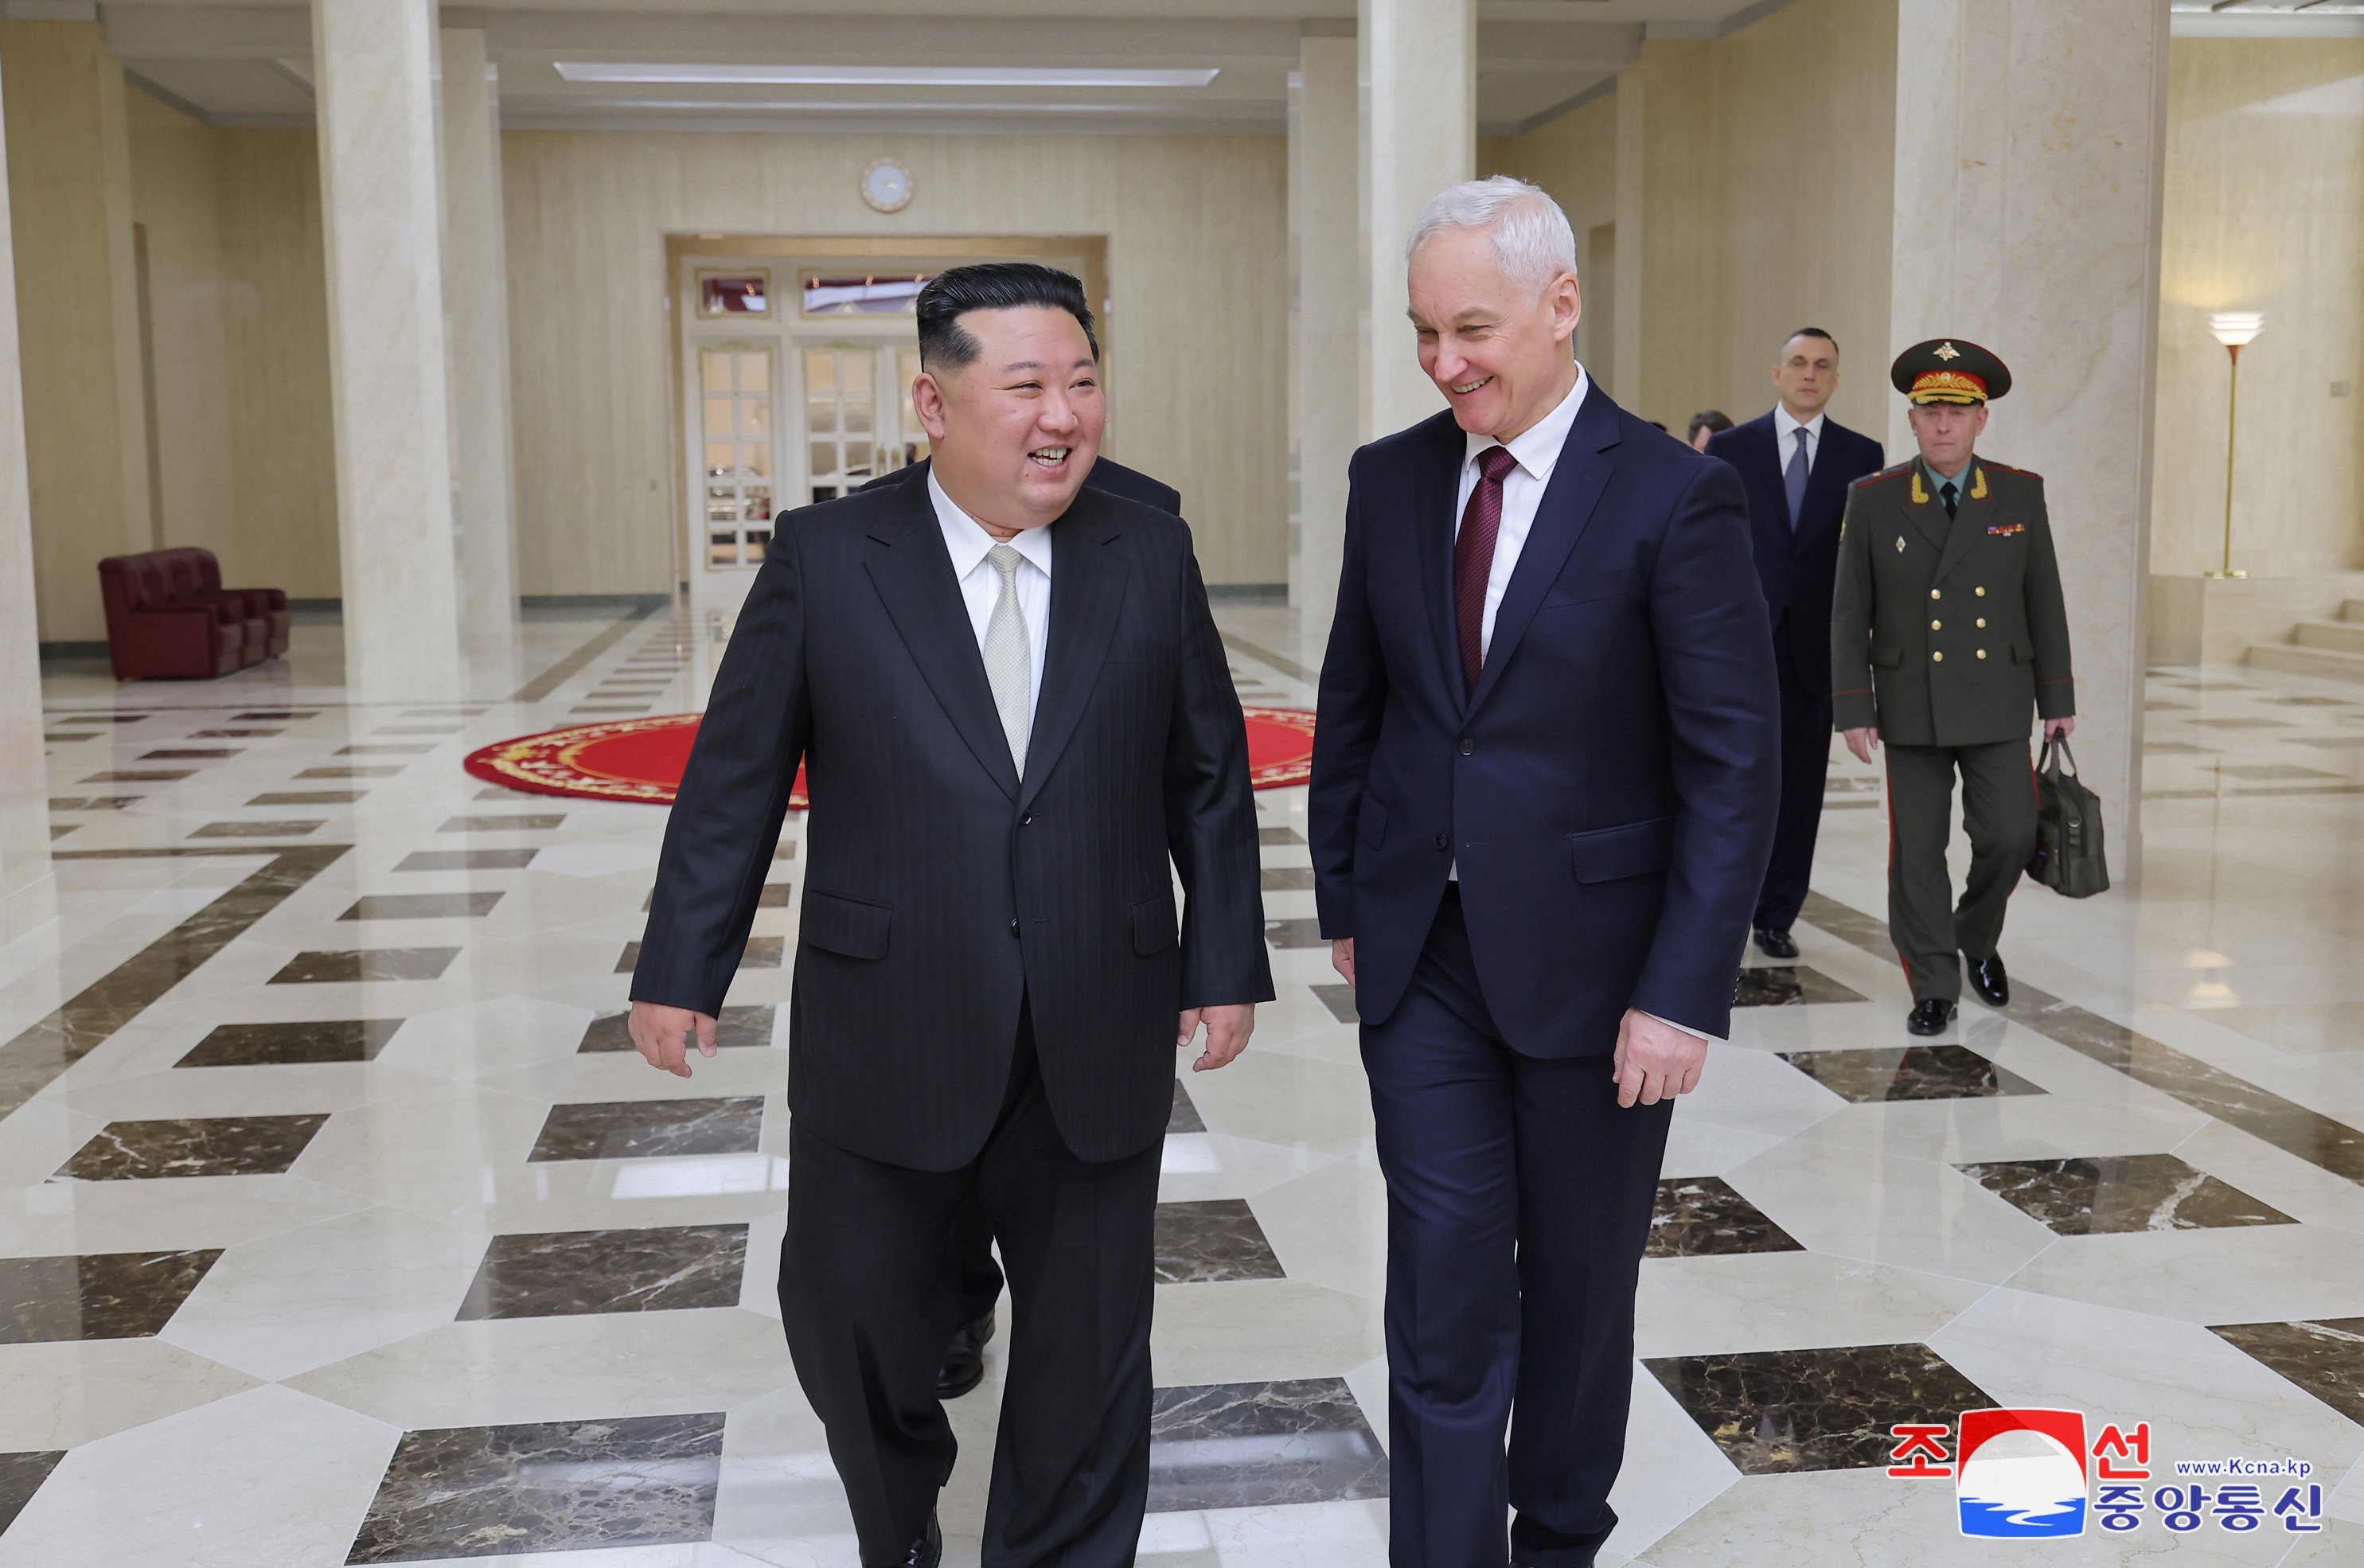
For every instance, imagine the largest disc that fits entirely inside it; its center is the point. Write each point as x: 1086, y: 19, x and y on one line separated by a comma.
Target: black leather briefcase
x: 2069, y: 858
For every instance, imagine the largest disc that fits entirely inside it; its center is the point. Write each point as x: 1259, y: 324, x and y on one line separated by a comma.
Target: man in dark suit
x: 980, y: 1276
x: 1018, y: 726
x: 1796, y: 463
x: 1542, y: 802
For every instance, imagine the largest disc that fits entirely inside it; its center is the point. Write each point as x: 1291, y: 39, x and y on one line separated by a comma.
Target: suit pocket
x: 1587, y: 589
x: 2021, y: 653
x: 1888, y: 658
x: 1152, y: 924
x: 845, y: 926
x: 1371, y: 822
x: 1637, y: 848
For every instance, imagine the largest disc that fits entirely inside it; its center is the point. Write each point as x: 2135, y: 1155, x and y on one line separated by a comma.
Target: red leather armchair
x: 168, y: 616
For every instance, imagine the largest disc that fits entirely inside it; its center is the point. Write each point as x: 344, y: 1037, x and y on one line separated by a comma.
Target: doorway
x: 794, y: 361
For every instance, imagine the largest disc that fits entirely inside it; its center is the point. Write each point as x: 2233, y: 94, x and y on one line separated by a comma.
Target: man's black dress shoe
x: 928, y: 1551
x: 964, y: 1366
x: 1775, y: 944
x: 1930, y: 1017
x: 1989, y: 981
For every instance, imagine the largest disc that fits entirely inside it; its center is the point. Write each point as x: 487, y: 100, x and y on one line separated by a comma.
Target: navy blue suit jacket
x: 1608, y: 789
x: 1797, y: 569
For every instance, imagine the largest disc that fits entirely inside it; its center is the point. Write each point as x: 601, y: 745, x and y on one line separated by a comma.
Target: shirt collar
x: 1536, y: 449
x: 1784, y: 422
x: 1934, y: 480
x: 967, y: 542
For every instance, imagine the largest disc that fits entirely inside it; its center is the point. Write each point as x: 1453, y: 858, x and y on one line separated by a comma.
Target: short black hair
x: 992, y: 286
x: 1707, y: 419
x: 1812, y: 332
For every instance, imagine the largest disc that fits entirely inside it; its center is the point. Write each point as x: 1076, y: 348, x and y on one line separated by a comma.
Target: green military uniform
x: 1946, y: 633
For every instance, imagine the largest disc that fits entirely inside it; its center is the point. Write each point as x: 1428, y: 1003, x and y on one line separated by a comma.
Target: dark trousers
x: 1930, y: 930
x: 870, y: 1294
x: 1805, y: 772
x: 1519, y: 1198
x: 980, y: 1276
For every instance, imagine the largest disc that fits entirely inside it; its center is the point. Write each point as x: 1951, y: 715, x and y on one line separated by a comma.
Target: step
x: 2298, y: 661
x: 2345, y: 635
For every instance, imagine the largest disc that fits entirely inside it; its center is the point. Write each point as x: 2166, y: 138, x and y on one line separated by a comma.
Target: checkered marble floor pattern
x: 339, y: 1223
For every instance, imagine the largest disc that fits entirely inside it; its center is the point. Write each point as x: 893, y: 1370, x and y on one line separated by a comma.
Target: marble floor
x: 339, y: 1224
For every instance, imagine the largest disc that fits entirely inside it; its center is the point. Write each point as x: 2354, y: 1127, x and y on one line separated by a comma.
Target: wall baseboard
x: 1247, y: 592
x: 55, y: 651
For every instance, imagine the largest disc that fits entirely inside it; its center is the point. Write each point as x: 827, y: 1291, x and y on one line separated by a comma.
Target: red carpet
x: 642, y: 759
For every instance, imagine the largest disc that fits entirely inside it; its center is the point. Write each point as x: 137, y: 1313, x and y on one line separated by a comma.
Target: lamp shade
x: 2235, y: 328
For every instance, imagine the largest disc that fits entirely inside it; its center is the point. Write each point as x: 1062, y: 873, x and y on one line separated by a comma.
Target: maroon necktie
x: 1473, y: 557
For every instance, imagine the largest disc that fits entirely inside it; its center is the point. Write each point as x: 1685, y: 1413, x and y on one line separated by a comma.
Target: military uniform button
x: 1982, y: 593
x: 1934, y: 595
x: 1937, y: 658
x: 1982, y: 653
x: 1937, y: 626
x: 1982, y: 623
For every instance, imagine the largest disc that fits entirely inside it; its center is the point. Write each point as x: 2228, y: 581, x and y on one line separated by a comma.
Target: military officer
x: 1947, y: 630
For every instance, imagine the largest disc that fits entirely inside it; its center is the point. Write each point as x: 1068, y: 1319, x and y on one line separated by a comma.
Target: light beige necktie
x: 1009, y: 655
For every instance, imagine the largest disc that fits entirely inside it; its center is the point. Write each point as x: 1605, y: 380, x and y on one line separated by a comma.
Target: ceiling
x: 249, y: 62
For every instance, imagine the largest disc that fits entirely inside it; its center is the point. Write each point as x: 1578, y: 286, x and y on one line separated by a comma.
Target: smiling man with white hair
x: 1545, y: 778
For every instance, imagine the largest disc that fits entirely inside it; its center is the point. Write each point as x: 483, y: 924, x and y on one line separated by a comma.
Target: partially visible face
x: 1013, y: 432
x: 1807, y: 375
x: 1947, y: 432
x: 1497, y: 350
x: 1699, y: 437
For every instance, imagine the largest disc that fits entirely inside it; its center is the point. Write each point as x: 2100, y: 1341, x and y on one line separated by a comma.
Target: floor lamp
x: 2235, y: 329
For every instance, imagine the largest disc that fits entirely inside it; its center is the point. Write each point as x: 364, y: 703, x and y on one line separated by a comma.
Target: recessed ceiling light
x: 890, y: 75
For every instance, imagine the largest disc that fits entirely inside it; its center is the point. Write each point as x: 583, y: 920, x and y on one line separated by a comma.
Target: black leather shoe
x: 1989, y: 981
x: 1930, y: 1017
x: 929, y: 1550
x: 964, y: 1366
x: 1775, y: 944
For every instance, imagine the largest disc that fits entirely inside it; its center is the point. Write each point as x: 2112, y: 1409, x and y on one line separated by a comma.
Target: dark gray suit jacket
x: 942, y: 889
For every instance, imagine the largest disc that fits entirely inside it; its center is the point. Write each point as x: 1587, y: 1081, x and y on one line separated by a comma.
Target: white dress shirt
x: 980, y: 585
x: 1537, y: 453
x: 1536, y: 450
x: 1783, y: 429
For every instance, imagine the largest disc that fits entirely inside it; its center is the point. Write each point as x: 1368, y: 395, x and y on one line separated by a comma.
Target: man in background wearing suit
x: 1796, y: 463
x: 1018, y: 726
x: 1541, y: 799
x: 980, y: 1276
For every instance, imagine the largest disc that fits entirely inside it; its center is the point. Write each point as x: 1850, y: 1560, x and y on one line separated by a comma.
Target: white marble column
x: 27, y: 892
x: 476, y: 315
x: 1418, y: 63
x: 1325, y: 266
x: 374, y: 69
x: 2030, y: 140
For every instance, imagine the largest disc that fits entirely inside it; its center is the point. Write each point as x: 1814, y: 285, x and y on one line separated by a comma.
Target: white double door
x: 784, y: 423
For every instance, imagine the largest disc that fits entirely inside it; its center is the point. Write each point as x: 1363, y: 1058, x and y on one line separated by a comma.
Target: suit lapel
x: 1088, y: 582
x: 1437, y: 483
x: 914, y: 577
x: 1969, y: 518
x: 1577, y: 482
x: 1824, y: 487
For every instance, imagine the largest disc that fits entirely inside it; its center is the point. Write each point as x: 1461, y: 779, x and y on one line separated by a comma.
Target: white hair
x: 1533, y: 241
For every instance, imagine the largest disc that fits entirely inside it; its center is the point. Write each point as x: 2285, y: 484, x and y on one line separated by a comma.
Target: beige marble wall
x: 475, y: 272
x: 2028, y: 196
x: 2265, y: 211
x: 1327, y: 306
x: 1749, y: 186
x: 176, y: 200
x: 381, y: 198
x: 1418, y: 62
x: 1196, y: 230
x: 78, y: 318
x: 28, y: 888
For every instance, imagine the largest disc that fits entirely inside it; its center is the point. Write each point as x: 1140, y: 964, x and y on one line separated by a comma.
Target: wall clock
x: 886, y: 185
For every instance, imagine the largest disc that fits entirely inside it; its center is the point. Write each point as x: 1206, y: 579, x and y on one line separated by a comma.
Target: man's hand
x: 1654, y: 1059
x: 2060, y: 728
x: 1861, y: 743
x: 662, y: 1034
x: 1342, y: 958
x: 1228, y: 1028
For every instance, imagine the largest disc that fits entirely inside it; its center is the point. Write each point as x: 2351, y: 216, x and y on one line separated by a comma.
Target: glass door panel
x: 737, y: 438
